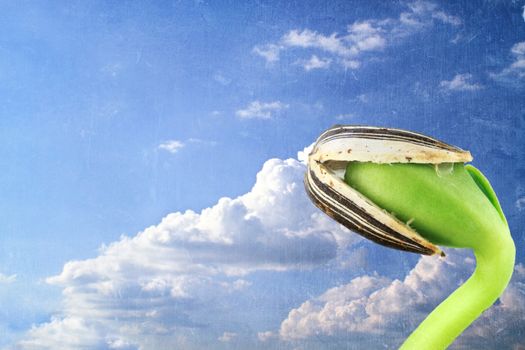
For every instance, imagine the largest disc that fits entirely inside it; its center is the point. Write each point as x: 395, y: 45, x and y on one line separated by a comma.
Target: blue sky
x: 151, y: 192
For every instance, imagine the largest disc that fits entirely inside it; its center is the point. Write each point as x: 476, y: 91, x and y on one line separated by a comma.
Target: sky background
x: 151, y: 188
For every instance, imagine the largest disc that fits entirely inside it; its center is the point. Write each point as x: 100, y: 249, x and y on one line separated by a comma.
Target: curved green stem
x: 455, y: 208
x: 494, y: 267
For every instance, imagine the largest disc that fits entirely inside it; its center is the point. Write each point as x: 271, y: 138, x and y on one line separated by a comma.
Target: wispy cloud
x: 174, y: 146
x: 344, y: 116
x: 197, y: 141
x: 370, y: 35
x: 446, y: 18
x: 266, y: 336
x: 372, y: 308
x: 311, y: 39
x: 149, y: 289
x: 460, y: 82
x: 520, y: 203
x: 227, y: 337
x: 221, y: 79
x: 516, y: 70
x: 314, y: 63
x: 171, y: 146
x: 5, y: 279
x: 270, y: 52
x: 261, y: 110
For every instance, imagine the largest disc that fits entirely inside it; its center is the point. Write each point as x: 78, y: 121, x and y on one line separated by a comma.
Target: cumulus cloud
x: 68, y: 333
x: 460, y: 82
x: 160, y: 288
x: 261, y: 110
x: 302, y: 156
x: 516, y: 70
x: 372, y: 308
x: 171, y: 146
x: 364, y: 36
x: 145, y: 291
x: 372, y: 304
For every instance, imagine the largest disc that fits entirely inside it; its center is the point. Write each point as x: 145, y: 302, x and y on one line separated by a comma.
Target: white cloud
x: 460, y: 82
x: 302, y: 156
x: 270, y: 52
x: 372, y: 303
x: 366, y: 36
x: 261, y: 110
x: 345, y: 116
x: 425, y: 9
x: 363, y: 98
x: 363, y: 36
x: 326, y: 315
x: 227, y: 337
x: 516, y: 70
x: 121, y: 344
x: 518, y: 49
x: 315, y: 63
x: 350, y: 64
x: 172, y: 146
x: 4, y: 279
x: 150, y: 290
x: 370, y: 309
x: 68, y: 333
x: 311, y: 39
x: 446, y: 18
x: 266, y: 336
x: 221, y: 79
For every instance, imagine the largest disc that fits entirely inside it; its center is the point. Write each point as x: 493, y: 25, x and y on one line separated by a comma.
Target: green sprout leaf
x: 450, y: 205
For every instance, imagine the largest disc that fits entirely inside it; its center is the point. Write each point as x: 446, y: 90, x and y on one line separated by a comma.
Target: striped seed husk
x: 345, y: 143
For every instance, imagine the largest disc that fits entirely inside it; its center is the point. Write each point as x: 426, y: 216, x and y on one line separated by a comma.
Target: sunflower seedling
x: 411, y: 192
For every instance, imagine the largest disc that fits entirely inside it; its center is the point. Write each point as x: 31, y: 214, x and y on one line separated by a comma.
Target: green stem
x: 455, y: 208
x: 494, y: 267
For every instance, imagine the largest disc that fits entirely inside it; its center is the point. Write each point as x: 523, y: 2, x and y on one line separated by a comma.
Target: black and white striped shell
x: 344, y: 143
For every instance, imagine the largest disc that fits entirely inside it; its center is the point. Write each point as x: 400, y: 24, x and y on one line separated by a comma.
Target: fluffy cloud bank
x: 141, y: 290
x: 370, y: 309
x: 361, y: 37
